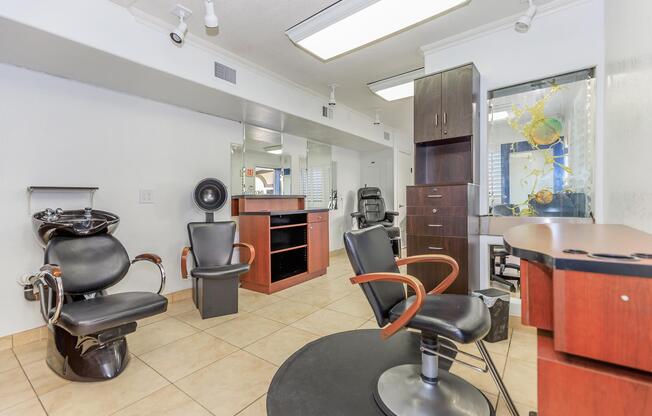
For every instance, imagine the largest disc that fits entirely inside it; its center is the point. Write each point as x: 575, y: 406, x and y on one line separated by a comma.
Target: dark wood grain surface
x: 546, y: 243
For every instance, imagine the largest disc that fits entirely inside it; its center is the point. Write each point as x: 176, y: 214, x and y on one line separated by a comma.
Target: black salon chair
x: 412, y: 390
x: 88, y: 326
x: 371, y: 212
x: 215, y: 280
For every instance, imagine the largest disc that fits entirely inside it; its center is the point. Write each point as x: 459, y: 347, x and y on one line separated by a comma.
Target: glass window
x: 541, y: 147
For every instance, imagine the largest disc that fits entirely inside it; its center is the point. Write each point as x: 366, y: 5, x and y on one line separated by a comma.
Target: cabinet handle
x: 435, y: 225
x: 435, y: 248
x: 445, y: 118
x: 624, y: 298
x: 436, y: 119
x: 435, y: 196
x: 434, y: 210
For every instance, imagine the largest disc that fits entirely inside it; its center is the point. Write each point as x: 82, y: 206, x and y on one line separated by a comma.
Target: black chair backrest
x: 212, y: 242
x: 372, y: 205
x: 88, y: 264
x: 370, y: 251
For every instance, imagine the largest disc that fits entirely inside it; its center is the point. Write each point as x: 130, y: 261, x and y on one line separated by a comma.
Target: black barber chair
x: 215, y: 280
x: 412, y: 390
x: 498, y: 258
x: 88, y: 326
x: 371, y: 212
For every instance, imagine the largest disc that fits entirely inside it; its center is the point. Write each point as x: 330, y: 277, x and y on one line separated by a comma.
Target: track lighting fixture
x: 331, y: 99
x: 178, y: 34
x: 210, y: 18
x: 377, y: 121
x: 523, y: 23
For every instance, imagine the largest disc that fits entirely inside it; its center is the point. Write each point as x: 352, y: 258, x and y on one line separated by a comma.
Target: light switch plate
x: 146, y: 196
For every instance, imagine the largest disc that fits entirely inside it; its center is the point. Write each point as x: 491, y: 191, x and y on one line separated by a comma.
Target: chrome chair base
x: 401, y: 391
x: 84, y: 358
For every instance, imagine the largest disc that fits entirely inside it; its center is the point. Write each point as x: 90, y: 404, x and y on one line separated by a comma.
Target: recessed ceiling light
x: 396, y: 87
x: 348, y: 25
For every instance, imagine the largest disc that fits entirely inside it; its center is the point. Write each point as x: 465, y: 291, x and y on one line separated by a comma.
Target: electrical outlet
x: 146, y: 196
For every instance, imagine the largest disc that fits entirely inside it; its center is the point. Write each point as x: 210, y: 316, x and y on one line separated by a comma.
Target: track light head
x: 524, y: 22
x: 210, y: 18
x: 178, y: 34
x: 331, y: 98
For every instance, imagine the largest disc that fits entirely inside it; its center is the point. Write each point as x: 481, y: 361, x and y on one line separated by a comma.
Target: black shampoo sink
x: 80, y: 222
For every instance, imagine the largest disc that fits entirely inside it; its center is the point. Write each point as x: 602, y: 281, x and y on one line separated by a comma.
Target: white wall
x: 60, y: 132
x: 377, y: 169
x: 348, y: 182
x: 94, y: 23
x: 628, y: 193
x: 564, y: 37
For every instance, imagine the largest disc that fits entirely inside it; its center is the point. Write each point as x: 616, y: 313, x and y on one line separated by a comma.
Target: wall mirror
x: 269, y: 162
x: 541, y: 147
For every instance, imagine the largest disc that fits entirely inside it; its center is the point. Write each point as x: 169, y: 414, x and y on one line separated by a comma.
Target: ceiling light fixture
x: 331, y: 98
x: 348, y: 25
x: 275, y: 150
x: 377, y: 121
x: 396, y: 87
x: 523, y: 23
x: 210, y: 18
x: 178, y: 34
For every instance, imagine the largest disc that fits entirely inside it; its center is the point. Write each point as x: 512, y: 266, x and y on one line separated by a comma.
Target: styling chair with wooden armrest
x: 425, y: 390
x: 87, y: 326
x: 215, y: 281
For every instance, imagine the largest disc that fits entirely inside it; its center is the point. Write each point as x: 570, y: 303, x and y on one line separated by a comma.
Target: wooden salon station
x: 291, y: 242
x: 588, y: 291
x: 442, y: 207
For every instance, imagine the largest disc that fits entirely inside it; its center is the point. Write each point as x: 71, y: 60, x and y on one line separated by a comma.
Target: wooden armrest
x: 149, y: 257
x: 252, y: 251
x: 416, y: 285
x: 184, y: 262
x: 435, y: 258
x: 53, y: 269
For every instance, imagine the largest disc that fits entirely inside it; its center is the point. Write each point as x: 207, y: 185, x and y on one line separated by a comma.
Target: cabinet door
x: 457, y: 102
x: 427, y: 108
x: 317, y: 246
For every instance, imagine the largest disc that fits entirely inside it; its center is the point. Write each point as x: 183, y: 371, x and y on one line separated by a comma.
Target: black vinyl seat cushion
x: 219, y: 272
x: 105, y: 312
x: 461, y: 318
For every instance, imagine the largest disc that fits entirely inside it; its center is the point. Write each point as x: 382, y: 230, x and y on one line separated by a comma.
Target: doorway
x: 405, y: 179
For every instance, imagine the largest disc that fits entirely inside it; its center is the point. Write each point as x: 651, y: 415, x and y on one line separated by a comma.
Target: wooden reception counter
x: 588, y: 291
x: 291, y: 242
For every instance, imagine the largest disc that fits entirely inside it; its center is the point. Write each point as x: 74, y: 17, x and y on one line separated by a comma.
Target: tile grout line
x: 20, y: 365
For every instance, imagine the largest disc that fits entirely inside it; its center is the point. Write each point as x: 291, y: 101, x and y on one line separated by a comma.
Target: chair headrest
x: 369, y: 193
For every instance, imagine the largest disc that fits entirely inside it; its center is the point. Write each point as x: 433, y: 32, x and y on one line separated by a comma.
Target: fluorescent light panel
x: 348, y: 25
x: 398, y: 87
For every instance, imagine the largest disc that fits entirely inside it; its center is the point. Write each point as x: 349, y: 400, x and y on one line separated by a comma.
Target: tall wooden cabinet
x: 442, y: 208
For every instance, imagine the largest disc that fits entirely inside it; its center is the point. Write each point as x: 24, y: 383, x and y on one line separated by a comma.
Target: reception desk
x: 291, y: 242
x: 588, y: 291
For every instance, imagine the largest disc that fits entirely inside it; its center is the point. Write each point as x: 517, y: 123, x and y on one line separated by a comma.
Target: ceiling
x: 254, y: 30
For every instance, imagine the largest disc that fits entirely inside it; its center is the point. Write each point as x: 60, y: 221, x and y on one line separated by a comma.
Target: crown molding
x: 553, y: 7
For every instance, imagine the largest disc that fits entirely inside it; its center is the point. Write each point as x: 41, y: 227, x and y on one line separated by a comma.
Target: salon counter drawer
x: 604, y: 317
x: 437, y: 196
x: 437, y: 225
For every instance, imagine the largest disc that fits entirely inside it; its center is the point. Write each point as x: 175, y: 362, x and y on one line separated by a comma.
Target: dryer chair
x: 371, y: 212
x: 87, y: 326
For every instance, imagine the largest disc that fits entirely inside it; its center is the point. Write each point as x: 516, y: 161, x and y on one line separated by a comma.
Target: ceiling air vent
x: 224, y: 72
x: 386, y: 136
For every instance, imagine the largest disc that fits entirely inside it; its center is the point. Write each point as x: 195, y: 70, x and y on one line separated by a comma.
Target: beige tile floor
x: 183, y: 365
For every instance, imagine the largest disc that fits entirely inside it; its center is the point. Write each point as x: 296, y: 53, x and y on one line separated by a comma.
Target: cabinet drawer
x: 431, y: 274
x: 604, y: 317
x: 437, y: 225
x: 317, y: 216
x: 459, y: 211
x: 437, y: 196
